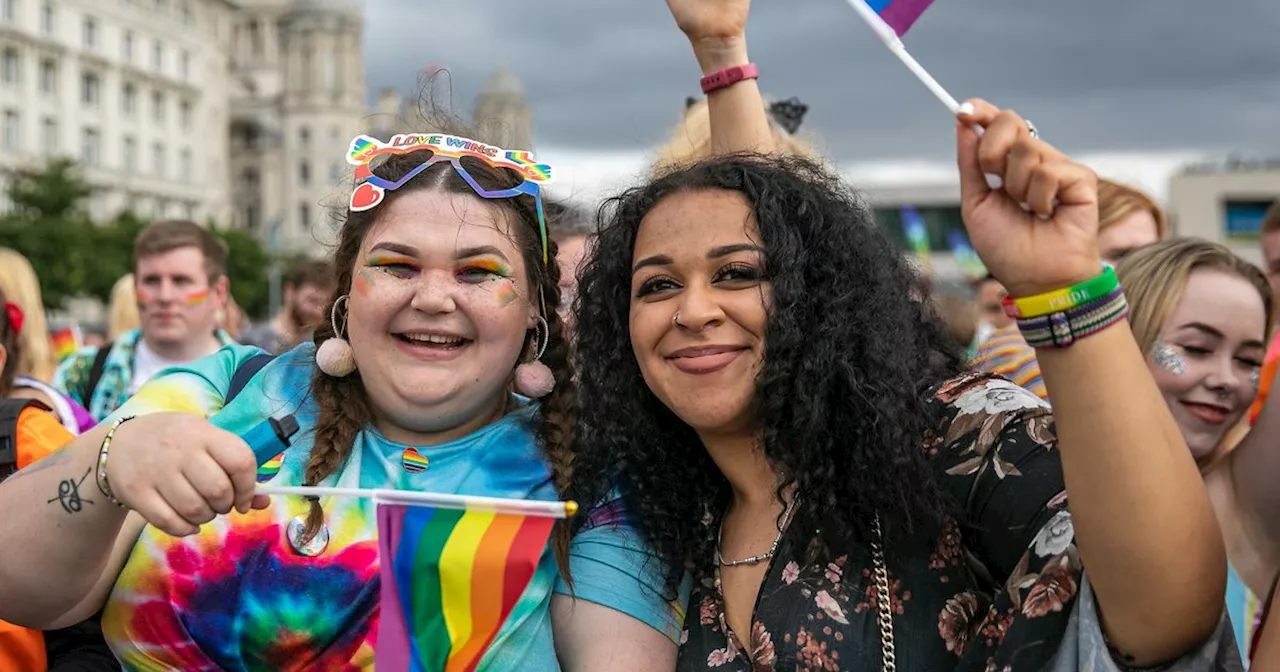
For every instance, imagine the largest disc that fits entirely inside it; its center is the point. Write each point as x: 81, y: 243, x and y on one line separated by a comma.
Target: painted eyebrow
x: 715, y: 253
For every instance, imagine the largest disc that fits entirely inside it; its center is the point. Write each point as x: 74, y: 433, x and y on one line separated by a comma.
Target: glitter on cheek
x: 1167, y: 358
x: 1255, y: 379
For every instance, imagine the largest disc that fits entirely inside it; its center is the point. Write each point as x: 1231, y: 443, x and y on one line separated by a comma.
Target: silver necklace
x: 767, y: 555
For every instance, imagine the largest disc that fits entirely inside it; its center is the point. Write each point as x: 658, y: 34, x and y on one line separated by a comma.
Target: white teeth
x: 434, y: 338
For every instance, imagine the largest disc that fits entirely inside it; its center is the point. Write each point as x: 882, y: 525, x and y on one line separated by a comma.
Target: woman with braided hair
x: 445, y: 303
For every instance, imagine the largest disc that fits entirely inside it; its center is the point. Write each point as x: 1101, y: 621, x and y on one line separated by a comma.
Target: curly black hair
x: 851, y: 349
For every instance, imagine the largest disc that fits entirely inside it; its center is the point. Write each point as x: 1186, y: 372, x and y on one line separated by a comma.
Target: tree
x: 247, y: 264
x: 51, y: 227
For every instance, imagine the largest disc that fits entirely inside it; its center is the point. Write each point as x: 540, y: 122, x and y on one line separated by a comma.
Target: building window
x: 157, y: 56
x: 49, y: 136
x: 304, y: 216
x: 184, y: 165
x: 186, y: 14
x: 184, y: 114
x: 49, y: 77
x: 335, y: 172
x: 126, y: 46
x: 90, y: 147
x: 12, y: 131
x: 129, y: 100
x: 184, y: 64
x: 189, y: 211
x: 157, y: 106
x: 328, y: 71
x: 304, y: 136
x: 304, y: 173
x: 162, y: 6
x: 1244, y: 217
x: 130, y: 153
x: 10, y: 66
x: 48, y: 23
x: 90, y: 89
x: 157, y: 159
x: 90, y: 33
x: 158, y: 211
x: 9, y: 10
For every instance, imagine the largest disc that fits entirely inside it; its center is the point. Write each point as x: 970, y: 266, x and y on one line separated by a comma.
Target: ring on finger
x: 1031, y: 128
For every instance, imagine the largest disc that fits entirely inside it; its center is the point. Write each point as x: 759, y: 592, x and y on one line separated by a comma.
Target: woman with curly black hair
x: 778, y: 413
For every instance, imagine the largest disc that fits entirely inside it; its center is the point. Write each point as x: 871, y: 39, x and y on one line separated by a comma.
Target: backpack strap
x: 95, y: 372
x: 245, y: 373
x: 10, y: 411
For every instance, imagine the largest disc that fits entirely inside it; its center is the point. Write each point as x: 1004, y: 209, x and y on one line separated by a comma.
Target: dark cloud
x: 1095, y: 75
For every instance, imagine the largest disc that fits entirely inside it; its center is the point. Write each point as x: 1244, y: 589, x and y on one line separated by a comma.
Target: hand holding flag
x: 1052, y: 245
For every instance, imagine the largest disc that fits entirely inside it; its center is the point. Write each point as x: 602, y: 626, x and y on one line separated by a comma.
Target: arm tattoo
x: 69, y: 494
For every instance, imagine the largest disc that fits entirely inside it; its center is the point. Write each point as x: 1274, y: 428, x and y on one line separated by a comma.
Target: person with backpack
x: 180, y: 275
x: 28, y: 432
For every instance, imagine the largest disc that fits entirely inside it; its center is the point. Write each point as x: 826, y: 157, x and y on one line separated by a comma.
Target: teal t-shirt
x: 237, y: 596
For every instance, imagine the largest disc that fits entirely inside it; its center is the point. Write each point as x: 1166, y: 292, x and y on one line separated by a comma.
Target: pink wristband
x: 729, y: 76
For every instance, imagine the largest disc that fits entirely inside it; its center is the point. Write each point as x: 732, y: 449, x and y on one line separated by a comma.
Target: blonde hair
x: 122, y: 312
x: 690, y: 142
x: 21, y: 286
x: 1117, y: 201
x: 1154, y: 278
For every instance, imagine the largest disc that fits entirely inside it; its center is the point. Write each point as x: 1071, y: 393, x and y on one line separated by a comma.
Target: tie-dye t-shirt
x: 236, y: 596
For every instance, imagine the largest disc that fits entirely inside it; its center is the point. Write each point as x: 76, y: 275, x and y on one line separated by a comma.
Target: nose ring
x: 675, y: 319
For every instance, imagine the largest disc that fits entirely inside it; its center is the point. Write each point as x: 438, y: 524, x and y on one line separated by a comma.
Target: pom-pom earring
x: 533, y: 379
x: 335, y: 356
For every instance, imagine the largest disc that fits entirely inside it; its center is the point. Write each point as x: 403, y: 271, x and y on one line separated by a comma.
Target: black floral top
x: 992, y: 594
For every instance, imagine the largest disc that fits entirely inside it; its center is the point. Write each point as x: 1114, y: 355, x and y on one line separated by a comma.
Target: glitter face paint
x: 492, y: 275
x: 1255, y: 379
x: 1168, y: 358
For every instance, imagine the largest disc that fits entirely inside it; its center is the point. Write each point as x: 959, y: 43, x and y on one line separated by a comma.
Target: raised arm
x: 717, y: 32
x: 1252, y: 468
x: 1146, y: 531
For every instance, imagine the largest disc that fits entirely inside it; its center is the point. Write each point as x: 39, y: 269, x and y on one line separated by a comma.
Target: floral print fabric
x: 993, y: 592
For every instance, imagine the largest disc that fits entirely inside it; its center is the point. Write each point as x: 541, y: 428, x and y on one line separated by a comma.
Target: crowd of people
x: 791, y: 454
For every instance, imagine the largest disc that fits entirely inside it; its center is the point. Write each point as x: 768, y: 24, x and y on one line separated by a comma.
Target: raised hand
x: 178, y: 471
x: 1050, y: 244
x: 711, y: 23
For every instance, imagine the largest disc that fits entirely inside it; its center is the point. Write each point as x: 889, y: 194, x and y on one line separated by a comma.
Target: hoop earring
x: 335, y: 356
x: 533, y: 379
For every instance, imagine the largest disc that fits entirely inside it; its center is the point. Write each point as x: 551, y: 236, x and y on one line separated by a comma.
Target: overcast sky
x: 1095, y: 75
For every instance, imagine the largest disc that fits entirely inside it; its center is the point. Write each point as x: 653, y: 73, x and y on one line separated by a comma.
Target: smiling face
x: 699, y: 253
x: 1209, y: 352
x: 176, y: 301
x: 438, y: 312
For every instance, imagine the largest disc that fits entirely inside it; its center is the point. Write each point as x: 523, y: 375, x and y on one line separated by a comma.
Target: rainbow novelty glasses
x: 526, y: 176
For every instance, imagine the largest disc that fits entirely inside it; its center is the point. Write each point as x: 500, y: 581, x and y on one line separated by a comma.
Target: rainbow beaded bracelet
x: 1059, y: 300
x: 1063, y: 328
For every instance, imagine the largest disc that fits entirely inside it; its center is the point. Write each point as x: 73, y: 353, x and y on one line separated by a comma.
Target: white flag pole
x: 495, y: 504
x: 890, y: 39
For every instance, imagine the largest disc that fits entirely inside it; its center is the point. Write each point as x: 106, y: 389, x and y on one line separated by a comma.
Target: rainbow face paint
x: 397, y: 266
x: 362, y: 283
x: 1168, y: 358
x: 196, y: 298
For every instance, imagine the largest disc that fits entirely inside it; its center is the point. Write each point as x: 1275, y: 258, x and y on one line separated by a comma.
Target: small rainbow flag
x: 917, y: 234
x: 899, y: 14
x: 65, y: 342
x: 966, y: 258
x: 270, y: 468
x: 450, y: 579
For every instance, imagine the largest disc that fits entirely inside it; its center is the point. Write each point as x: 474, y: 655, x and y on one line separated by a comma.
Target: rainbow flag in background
x: 65, y: 342
x: 917, y: 234
x: 450, y: 579
x: 966, y: 258
x: 899, y: 14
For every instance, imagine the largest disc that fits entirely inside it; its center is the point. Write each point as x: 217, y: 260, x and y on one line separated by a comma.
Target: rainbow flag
x: 65, y: 342
x: 899, y: 14
x: 450, y: 579
x: 917, y: 233
x: 966, y: 258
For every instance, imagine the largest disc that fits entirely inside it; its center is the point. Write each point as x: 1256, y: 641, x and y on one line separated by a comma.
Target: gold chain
x: 881, y: 571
